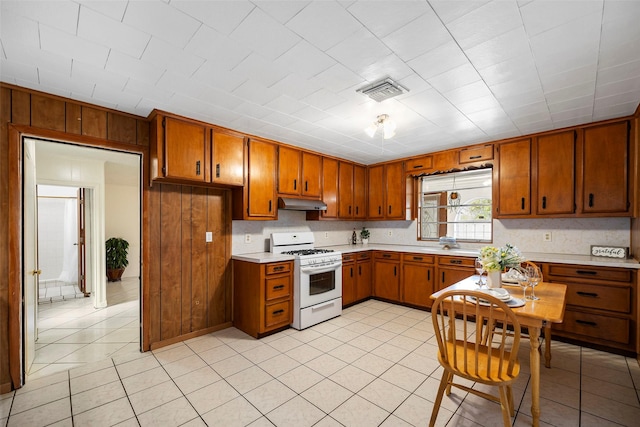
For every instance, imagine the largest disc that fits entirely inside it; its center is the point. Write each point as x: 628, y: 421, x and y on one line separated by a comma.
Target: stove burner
x: 308, y: 251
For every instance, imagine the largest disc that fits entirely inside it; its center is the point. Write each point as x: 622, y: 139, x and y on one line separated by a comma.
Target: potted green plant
x: 364, y: 234
x: 117, y: 250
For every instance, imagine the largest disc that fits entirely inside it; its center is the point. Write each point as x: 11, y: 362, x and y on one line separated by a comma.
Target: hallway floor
x: 376, y: 365
x: 72, y: 333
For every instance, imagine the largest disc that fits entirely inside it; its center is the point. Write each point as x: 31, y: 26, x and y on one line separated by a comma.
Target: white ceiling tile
x: 455, y: 79
x: 12, y: 70
x: 115, y: 96
x: 252, y: 110
x: 477, y: 104
x: 168, y: 23
x: 223, y: 16
x: 438, y: 60
x: 571, y: 92
x: 618, y: 87
x: 512, y: 44
x: 536, y: 127
x: 623, y: 71
x: 515, y: 87
x: 571, y: 104
x: 64, y: 82
x: 215, y: 74
x: 359, y: 50
x: 541, y: 16
x: 305, y: 60
x: 389, y: 66
x: 418, y: 36
x: 571, y: 122
x: 310, y: 114
x: 337, y: 78
x: 621, y: 98
x: 484, y: 23
x: 87, y: 73
x: 614, y: 111
x: 62, y: 15
x: 279, y: 119
x: 255, y: 91
x: 577, y: 113
x: 282, y: 10
x: 323, y: 99
x: 569, y: 78
x: 112, y: 8
x: 285, y: 104
x: 69, y: 46
x: 295, y: 87
x: 383, y: 18
x: 15, y: 28
x: 522, y: 66
x: 451, y: 10
x: 324, y: 24
x: 256, y: 67
x: 105, y: 31
x: 131, y: 67
x: 264, y: 35
x: 36, y: 57
x: 165, y: 56
x: 210, y: 44
x: 509, y: 101
x: 148, y: 91
x: 537, y: 109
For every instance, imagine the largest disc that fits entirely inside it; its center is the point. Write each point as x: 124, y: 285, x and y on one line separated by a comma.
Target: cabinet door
x: 448, y: 276
x: 262, y: 179
x: 386, y: 282
x: 330, y: 187
x: 311, y: 174
x: 348, y: 283
x: 363, y: 284
x: 228, y: 159
x: 375, y: 192
x: 417, y: 284
x: 359, y: 192
x: 394, y: 191
x: 605, y: 169
x: 514, y: 178
x: 555, y: 182
x: 345, y: 190
x: 185, y: 150
x: 289, y: 171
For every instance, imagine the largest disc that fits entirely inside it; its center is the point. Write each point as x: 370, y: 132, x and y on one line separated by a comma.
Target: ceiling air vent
x: 384, y: 89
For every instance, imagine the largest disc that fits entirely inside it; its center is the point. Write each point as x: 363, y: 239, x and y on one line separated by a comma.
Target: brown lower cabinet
x: 386, y: 275
x: 601, y: 305
x: 452, y: 269
x: 262, y: 298
x: 356, y: 277
x: 417, y: 279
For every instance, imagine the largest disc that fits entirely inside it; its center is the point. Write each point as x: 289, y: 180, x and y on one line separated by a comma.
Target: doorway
x: 78, y: 327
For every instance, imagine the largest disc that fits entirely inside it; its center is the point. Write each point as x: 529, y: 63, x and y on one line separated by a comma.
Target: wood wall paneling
x: 121, y: 128
x: 142, y: 132
x: 154, y: 264
x: 48, y: 113
x: 73, y: 119
x: 94, y: 122
x: 197, y: 298
x: 20, y: 108
x: 5, y: 118
x: 187, y: 256
x: 170, y: 260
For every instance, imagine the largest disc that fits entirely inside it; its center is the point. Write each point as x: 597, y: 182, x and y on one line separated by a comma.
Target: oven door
x: 319, y: 284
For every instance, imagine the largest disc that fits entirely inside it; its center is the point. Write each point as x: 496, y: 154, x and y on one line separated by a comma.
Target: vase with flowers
x: 496, y: 260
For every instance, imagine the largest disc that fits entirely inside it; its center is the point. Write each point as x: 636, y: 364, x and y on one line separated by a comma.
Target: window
x: 457, y: 205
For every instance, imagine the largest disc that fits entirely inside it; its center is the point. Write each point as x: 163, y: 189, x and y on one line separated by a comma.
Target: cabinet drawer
x: 611, y: 298
x: 388, y: 255
x: 346, y: 258
x: 419, y: 258
x: 595, y: 326
x: 277, y: 314
x: 457, y: 261
x: 278, y: 267
x: 277, y: 287
x: 419, y: 164
x: 364, y: 255
x: 476, y: 154
x: 588, y: 272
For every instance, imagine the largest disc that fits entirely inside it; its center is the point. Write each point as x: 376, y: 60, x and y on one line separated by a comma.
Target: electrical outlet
x: 208, y: 237
x: 326, y: 234
x: 389, y: 233
x: 546, y: 236
x: 247, y: 238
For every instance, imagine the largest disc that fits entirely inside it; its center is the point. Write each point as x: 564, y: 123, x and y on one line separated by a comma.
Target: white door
x: 31, y: 271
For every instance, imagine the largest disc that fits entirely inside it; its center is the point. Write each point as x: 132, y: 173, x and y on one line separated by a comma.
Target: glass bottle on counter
x: 354, y: 238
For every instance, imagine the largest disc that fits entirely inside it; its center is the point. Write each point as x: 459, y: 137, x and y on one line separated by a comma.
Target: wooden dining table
x: 534, y: 315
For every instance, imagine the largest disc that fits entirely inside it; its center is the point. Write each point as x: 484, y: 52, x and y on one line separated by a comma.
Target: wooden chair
x: 461, y: 329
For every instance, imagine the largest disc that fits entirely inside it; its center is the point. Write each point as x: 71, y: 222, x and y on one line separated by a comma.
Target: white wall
x: 122, y: 219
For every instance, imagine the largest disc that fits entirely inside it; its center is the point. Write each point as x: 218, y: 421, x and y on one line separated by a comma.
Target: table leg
x: 547, y: 345
x: 534, y: 360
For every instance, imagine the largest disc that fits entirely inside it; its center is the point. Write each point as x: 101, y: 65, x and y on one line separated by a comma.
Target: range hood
x: 301, y: 204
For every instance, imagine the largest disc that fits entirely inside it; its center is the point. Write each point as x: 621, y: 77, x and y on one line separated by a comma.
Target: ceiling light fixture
x: 385, y: 123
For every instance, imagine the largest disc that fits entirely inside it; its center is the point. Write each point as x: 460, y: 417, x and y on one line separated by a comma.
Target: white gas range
x: 317, y: 282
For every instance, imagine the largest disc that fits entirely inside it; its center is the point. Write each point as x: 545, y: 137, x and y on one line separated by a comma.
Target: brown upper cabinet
x: 512, y: 179
x: 311, y: 175
x: 345, y: 190
x: 257, y: 199
x: 359, y: 192
x: 605, y: 169
x: 329, y: 190
x: 554, y: 161
x: 477, y: 153
x: 299, y: 172
x: 184, y: 150
x: 386, y: 191
x: 418, y: 164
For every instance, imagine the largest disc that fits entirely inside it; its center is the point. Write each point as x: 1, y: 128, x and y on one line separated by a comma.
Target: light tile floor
x: 373, y: 366
x: 71, y: 332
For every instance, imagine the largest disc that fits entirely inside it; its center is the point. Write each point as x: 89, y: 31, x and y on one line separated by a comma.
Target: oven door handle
x: 320, y: 269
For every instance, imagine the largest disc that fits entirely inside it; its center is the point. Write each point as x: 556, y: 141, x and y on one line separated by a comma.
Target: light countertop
x: 265, y: 257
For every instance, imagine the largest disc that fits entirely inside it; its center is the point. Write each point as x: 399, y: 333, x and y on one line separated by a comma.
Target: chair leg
x: 449, y: 381
x: 444, y: 381
x: 512, y: 409
x: 504, y: 405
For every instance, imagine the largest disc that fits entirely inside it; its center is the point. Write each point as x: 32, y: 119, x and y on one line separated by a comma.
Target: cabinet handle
x: 544, y: 202
x: 306, y: 186
x: 417, y: 258
x: 455, y: 261
x: 389, y: 209
x: 386, y: 255
x: 587, y: 272
x: 278, y: 287
x: 587, y: 294
x: 428, y: 274
x: 275, y: 313
x: 379, y: 210
x: 587, y: 323
x: 279, y: 268
x: 590, y: 200
x: 295, y: 184
x: 474, y: 157
x: 443, y: 277
x: 395, y: 270
x: 270, y: 203
x: 417, y: 166
x: 351, y: 270
x: 217, y: 170
x: 359, y: 270
x: 356, y: 210
x: 349, y: 210
x: 198, y: 167
x: 522, y: 203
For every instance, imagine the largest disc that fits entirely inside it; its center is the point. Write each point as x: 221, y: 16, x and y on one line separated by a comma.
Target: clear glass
x: 523, y: 281
x: 534, y: 278
x: 480, y: 271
